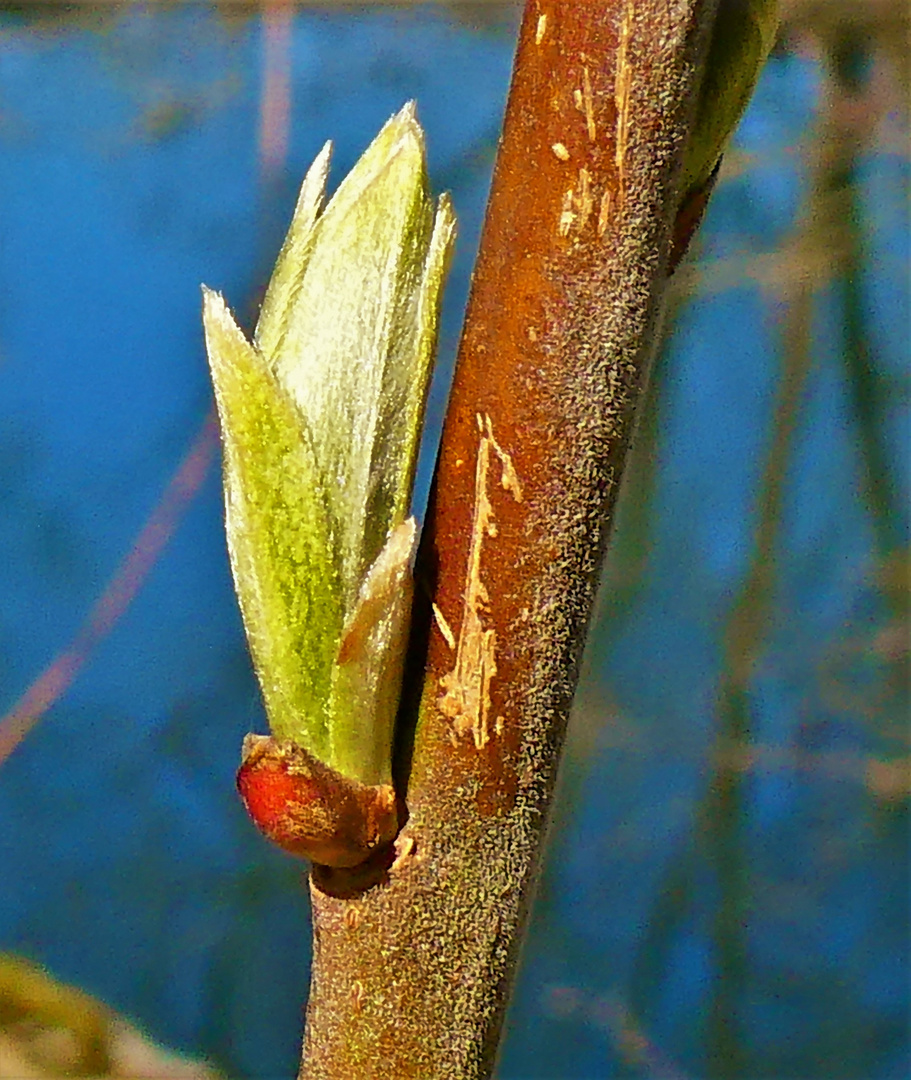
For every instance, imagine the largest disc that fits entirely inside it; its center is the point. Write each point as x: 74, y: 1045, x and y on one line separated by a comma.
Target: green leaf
x: 293, y: 257
x: 358, y: 333
x: 278, y: 533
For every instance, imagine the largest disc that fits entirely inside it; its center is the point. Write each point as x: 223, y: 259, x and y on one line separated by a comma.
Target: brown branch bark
x: 412, y: 966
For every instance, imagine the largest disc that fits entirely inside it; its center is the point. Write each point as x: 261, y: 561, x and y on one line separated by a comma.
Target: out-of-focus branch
x: 118, y: 594
x: 869, y: 388
x: 724, y: 811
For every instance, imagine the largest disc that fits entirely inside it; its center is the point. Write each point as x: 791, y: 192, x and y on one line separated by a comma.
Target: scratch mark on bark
x: 541, y: 29
x: 588, y: 105
x: 466, y: 689
x: 567, y: 213
x: 584, y: 201
x: 444, y: 627
x: 578, y: 205
x: 604, y: 212
x: 622, y: 83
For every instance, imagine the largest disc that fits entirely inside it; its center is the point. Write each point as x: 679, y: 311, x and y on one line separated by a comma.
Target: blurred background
x: 726, y: 891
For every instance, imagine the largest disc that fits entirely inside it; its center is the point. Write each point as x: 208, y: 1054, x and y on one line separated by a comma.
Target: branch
x: 414, y: 956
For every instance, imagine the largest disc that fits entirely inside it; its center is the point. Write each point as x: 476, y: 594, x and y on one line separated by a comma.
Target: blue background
x: 129, y: 174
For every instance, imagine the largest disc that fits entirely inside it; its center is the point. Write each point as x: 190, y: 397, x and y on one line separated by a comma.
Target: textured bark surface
x: 414, y: 958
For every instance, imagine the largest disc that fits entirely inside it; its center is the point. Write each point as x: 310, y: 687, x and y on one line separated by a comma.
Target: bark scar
x: 585, y: 104
x: 541, y: 28
x: 623, y: 80
x: 466, y: 689
x: 578, y: 205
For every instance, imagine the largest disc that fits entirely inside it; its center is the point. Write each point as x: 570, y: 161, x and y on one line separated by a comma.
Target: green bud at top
x: 321, y: 421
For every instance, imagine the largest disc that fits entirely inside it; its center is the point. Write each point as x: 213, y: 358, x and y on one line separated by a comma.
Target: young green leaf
x: 352, y: 339
x: 321, y: 421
